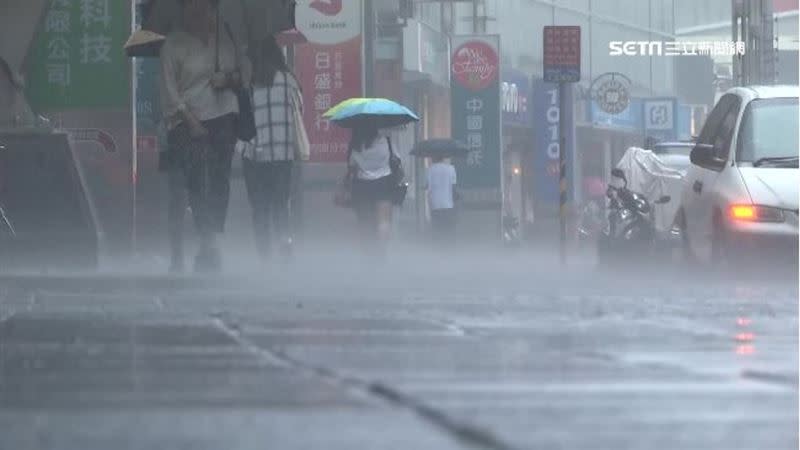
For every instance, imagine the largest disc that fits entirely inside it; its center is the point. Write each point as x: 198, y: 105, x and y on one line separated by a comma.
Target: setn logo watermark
x: 675, y: 48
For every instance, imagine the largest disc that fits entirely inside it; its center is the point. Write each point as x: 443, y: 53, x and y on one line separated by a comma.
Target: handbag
x: 399, y: 186
x: 302, y: 143
x: 246, y: 120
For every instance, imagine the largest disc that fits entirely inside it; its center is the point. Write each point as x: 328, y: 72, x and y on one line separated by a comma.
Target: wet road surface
x: 507, y: 355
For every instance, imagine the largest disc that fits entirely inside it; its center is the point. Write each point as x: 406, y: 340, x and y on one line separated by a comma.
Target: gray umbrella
x: 250, y: 20
x: 440, y: 147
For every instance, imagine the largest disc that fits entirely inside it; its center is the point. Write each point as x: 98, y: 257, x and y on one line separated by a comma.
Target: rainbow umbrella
x: 378, y: 112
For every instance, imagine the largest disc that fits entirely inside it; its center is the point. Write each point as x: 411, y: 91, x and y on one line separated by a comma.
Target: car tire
x: 720, y: 243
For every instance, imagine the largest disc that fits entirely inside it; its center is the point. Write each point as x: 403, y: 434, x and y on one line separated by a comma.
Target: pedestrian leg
x: 256, y: 181
x: 196, y: 179
x: 176, y: 210
x: 384, y: 222
x: 280, y: 194
x: 223, y: 142
x: 218, y: 175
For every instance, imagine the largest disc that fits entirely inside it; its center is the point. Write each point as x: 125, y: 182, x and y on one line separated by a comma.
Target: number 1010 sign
x: 547, y: 113
x: 553, y: 115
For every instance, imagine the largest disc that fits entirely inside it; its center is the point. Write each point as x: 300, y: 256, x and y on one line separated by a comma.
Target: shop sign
x: 611, y: 92
x: 426, y: 51
x: 660, y: 117
x: 475, y: 96
x: 562, y: 54
x: 515, y: 92
x: 329, y: 68
x: 547, y: 150
x: 629, y: 120
x: 76, y: 60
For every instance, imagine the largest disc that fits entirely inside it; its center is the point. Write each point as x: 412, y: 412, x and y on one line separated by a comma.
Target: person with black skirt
x: 373, y: 185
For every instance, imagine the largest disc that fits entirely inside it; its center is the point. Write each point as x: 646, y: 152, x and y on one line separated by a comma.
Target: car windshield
x: 769, y: 130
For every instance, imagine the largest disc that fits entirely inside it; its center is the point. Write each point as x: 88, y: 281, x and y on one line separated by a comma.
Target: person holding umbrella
x: 370, y: 176
x: 375, y: 172
x: 280, y: 142
x: 442, y: 180
x: 201, y: 69
x: 441, y: 183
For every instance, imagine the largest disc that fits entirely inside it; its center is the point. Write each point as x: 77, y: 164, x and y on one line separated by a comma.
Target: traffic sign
x: 562, y: 54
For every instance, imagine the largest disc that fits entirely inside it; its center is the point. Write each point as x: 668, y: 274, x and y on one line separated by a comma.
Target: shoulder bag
x: 246, y: 120
x: 399, y: 186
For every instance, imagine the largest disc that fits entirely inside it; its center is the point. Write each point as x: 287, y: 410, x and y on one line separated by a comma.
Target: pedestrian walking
x: 373, y: 184
x: 442, y: 180
x: 201, y: 71
x: 280, y: 143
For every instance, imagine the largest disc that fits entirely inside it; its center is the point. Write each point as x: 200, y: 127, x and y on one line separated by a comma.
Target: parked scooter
x: 591, y: 221
x: 630, y: 231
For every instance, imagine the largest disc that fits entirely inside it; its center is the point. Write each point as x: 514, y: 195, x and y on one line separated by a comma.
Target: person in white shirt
x: 373, y: 185
x: 200, y: 73
x: 442, y: 180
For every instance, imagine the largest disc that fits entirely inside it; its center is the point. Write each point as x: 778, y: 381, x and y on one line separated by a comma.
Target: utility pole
x: 479, y: 17
x: 369, y: 48
x: 753, y: 24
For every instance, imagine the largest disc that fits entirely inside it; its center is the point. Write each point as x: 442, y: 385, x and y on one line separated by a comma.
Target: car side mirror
x: 703, y: 155
x: 618, y: 173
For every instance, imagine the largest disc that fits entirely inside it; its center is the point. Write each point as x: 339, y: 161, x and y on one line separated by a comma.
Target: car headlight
x: 755, y: 213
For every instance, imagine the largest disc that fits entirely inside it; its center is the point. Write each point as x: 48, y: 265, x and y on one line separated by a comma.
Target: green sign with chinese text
x: 77, y: 60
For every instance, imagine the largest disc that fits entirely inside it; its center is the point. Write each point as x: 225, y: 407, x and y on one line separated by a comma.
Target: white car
x: 741, y: 192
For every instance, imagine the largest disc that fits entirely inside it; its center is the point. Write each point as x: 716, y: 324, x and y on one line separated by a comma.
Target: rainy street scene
x: 399, y: 224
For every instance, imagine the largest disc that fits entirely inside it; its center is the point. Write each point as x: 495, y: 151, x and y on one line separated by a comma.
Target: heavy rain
x: 399, y: 224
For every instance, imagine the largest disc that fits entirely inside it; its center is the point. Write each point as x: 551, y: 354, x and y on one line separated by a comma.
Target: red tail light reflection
x: 745, y: 350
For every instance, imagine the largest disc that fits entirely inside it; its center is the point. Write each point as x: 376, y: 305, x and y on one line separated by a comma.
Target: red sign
x: 329, y: 70
x: 562, y: 53
x: 327, y: 7
x: 780, y: 6
x: 475, y: 65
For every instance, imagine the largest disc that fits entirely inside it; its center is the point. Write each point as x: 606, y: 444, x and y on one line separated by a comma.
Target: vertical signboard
x: 546, y: 115
x: 76, y: 59
x: 562, y: 54
x: 515, y: 92
x: 475, y: 96
x: 329, y: 68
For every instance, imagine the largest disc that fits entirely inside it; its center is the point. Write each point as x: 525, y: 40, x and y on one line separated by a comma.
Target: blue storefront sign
x: 660, y: 117
x: 515, y: 90
x: 628, y: 120
x: 546, y: 115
